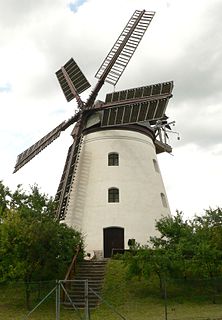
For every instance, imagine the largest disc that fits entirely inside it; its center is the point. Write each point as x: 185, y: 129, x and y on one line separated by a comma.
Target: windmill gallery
x: 111, y: 188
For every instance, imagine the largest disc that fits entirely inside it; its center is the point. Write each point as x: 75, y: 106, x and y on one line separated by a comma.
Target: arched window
x: 163, y: 199
x: 113, y: 195
x: 113, y: 159
x: 156, y: 166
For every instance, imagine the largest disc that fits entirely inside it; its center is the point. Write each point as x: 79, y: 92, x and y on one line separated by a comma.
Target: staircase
x: 94, y: 272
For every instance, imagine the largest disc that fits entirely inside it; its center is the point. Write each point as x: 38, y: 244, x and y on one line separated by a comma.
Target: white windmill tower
x: 111, y: 188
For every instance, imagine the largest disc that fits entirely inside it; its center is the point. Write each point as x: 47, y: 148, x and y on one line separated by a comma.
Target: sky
x: 183, y: 43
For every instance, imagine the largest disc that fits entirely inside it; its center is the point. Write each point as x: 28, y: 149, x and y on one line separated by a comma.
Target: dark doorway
x: 113, y: 238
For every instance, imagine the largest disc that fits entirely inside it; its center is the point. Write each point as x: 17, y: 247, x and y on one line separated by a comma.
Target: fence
x: 128, y: 299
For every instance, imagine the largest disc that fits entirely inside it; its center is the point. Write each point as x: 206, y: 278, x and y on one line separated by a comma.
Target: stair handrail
x: 72, y: 267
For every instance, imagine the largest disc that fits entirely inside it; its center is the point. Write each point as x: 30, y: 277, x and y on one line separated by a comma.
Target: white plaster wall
x: 140, y: 186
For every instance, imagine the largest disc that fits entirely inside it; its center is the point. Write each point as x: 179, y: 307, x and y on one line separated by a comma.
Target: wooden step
x: 93, y: 272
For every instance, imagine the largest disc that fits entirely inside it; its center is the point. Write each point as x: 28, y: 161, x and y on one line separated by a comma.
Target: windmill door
x: 113, y: 238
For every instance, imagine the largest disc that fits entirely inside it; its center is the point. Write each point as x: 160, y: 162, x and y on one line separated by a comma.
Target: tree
x: 176, y: 239
x: 208, y: 248
x: 4, y: 199
x: 34, y: 245
x: 183, y: 249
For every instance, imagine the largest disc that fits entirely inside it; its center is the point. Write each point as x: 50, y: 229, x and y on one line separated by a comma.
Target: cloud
x: 15, y: 14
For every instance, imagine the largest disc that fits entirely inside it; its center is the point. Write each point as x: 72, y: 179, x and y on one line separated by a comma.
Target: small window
x: 113, y: 159
x: 113, y: 195
x: 156, y: 166
x: 163, y: 199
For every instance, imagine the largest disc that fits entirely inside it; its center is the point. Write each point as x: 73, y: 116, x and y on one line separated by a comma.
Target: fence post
x: 86, y: 296
x: 57, y: 300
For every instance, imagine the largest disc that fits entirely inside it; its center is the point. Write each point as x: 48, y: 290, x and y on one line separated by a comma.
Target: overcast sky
x: 183, y: 43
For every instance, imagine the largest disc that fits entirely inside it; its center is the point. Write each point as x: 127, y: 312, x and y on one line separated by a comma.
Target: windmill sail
x: 69, y: 171
x: 32, y: 151
x: 136, y: 105
x: 152, y: 110
x: 139, y: 94
x: 119, y: 56
x: 72, y: 80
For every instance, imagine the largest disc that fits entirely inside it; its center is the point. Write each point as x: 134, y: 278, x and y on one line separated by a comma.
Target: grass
x: 134, y: 299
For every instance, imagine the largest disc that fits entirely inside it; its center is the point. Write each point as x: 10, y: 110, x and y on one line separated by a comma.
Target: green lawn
x: 134, y: 299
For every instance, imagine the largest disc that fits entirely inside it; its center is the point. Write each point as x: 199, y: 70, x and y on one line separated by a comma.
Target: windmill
x: 129, y: 124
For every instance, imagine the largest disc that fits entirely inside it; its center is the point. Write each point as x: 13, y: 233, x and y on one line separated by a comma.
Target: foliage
x: 4, y: 199
x: 208, y: 247
x: 183, y: 249
x: 133, y: 299
x: 34, y: 245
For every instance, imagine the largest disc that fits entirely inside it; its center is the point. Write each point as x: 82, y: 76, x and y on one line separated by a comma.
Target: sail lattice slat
x: 66, y: 181
x: 78, y: 80
x: 151, y: 91
x: 31, y: 152
x: 119, y: 56
x: 151, y: 111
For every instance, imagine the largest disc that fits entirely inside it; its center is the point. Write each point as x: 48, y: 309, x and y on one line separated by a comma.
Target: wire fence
x: 24, y: 294
x: 170, y: 299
